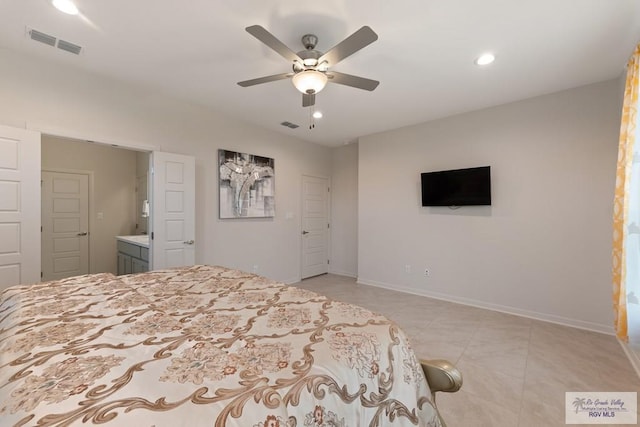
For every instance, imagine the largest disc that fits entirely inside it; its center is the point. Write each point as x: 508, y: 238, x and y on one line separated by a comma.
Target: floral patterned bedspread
x: 201, y: 346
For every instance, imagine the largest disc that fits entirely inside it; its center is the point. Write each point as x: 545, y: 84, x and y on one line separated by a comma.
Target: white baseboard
x: 291, y: 281
x: 633, y: 356
x: 575, y: 323
x: 343, y: 273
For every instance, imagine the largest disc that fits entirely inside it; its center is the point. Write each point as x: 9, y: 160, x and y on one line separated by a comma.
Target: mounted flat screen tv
x: 457, y: 187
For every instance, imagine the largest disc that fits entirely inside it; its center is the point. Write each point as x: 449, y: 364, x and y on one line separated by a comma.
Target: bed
x: 202, y: 346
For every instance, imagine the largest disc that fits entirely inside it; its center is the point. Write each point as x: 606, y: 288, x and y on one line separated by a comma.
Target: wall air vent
x: 290, y: 125
x: 69, y: 47
x: 42, y: 37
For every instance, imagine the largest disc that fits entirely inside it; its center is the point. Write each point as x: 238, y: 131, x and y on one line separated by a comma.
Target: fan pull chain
x: 312, y: 121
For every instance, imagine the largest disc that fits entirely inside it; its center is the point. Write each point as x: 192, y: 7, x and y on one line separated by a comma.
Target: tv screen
x: 457, y: 187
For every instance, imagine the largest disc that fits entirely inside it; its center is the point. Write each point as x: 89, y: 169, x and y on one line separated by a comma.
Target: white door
x: 65, y: 225
x: 315, y: 226
x: 173, y: 210
x: 19, y: 206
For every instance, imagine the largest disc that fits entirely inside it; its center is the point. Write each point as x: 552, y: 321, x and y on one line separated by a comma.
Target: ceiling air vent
x: 290, y: 125
x: 42, y: 37
x: 69, y: 47
x: 52, y: 41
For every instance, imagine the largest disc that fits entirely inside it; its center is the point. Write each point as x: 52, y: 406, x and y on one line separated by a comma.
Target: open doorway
x: 116, y: 192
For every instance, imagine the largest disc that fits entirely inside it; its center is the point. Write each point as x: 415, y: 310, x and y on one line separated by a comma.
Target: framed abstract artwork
x: 246, y: 185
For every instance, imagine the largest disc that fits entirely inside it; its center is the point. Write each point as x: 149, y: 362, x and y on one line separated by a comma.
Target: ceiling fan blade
x: 353, y: 81
x: 270, y: 40
x: 265, y: 79
x: 356, y: 41
x: 308, y: 99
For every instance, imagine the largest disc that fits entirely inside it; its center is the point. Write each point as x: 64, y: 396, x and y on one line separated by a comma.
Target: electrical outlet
x: 407, y: 269
x: 427, y: 272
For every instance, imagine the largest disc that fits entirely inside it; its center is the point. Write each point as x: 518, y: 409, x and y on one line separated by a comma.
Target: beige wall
x: 61, y: 100
x: 344, y: 210
x: 142, y: 191
x: 112, y: 194
x: 542, y: 249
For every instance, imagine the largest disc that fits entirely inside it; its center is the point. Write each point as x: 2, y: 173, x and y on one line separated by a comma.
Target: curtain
x: 626, y: 212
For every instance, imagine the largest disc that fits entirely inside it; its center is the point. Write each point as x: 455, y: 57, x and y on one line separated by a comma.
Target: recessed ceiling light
x: 65, y: 6
x: 317, y: 115
x: 485, y: 59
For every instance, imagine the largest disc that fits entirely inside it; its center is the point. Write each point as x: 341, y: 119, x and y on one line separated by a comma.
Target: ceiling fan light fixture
x: 309, y: 81
x: 65, y: 6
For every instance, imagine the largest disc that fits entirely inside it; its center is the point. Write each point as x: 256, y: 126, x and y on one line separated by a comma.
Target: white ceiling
x: 198, y: 50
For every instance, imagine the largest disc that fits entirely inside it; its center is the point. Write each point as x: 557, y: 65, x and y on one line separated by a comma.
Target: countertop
x: 140, y: 240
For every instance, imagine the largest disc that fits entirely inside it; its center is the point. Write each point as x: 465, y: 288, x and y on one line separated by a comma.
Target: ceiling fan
x: 311, y: 67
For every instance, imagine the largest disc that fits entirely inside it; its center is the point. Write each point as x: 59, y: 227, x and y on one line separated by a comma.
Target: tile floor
x: 516, y: 370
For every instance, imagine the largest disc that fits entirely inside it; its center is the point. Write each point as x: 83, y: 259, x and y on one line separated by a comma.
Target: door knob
x: 84, y: 233
x: 305, y: 232
x: 189, y: 242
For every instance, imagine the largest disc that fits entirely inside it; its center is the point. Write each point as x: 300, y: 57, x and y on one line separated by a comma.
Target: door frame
x: 301, y: 225
x: 91, y: 213
x: 130, y: 145
x: 90, y: 139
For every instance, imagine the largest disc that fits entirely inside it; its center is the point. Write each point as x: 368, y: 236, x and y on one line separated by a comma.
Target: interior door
x: 173, y: 210
x: 315, y: 226
x: 65, y: 224
x: 19, y: 206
